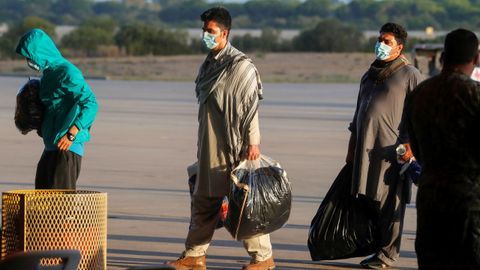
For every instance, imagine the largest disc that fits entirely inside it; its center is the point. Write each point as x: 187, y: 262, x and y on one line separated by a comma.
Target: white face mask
x: 32, y: 65
x: 209, y: 40
x: 382, y: 51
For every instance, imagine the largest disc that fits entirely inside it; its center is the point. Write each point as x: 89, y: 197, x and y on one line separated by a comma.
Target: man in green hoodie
x: 70, y: 109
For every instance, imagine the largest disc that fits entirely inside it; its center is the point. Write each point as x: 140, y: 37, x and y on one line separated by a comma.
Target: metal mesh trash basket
x: 56, y: 219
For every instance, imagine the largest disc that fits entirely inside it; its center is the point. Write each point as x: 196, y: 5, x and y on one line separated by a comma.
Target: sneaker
x: 190, y: 263
x: 268, y: 264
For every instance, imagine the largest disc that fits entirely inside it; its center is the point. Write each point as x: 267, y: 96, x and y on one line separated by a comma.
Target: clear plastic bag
x: 29, y: 109
x: 260, y: 200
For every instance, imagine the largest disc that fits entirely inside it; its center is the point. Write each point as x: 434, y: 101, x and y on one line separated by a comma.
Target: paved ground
x: 145, y: 136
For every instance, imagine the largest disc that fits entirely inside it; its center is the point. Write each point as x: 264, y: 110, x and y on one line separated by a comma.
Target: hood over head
x: 37, y: 46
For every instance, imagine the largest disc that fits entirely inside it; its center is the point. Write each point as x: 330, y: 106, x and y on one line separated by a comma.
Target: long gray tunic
x: 228, y: 90
x: 378, y: 128
x: 377, y: 125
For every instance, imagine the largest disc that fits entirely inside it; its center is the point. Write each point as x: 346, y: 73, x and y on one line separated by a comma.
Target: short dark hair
x: 461, y: 47
x: 398, y: 31
x: 218, y: 14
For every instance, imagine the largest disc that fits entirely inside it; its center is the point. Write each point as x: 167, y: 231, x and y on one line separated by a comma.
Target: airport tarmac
x: 144, y: 138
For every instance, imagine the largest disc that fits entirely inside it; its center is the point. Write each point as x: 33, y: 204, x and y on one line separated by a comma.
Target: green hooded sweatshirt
x: 67, y: 97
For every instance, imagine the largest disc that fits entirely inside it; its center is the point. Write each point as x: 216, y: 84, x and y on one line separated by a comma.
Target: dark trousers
x: 448, y: 241
x: 448, y: 222
x: 58, y: 170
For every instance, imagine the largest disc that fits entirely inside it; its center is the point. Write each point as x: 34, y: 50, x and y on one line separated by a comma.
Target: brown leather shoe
x: 190, y: 263
x: 268, y: 264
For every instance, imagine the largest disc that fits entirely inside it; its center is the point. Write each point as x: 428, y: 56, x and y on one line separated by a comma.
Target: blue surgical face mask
x: 382, y: 51
x: 209, y: 40
x: 33, y: 65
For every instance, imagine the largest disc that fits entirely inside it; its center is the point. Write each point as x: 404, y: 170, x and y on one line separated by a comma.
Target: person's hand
x: 408, y: 154
x: 64, y: 143
x: 253, y: 152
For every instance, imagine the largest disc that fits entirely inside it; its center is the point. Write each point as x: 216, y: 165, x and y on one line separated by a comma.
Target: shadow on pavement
x: 184, y: 220
x: 123, y: 258
x: 218, y: 243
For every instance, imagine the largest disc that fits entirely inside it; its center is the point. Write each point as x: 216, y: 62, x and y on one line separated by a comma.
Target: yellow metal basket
x: 56, y: 219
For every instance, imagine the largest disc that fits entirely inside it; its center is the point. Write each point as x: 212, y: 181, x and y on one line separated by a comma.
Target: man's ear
x: 476, y: 60
x: 400, y: 46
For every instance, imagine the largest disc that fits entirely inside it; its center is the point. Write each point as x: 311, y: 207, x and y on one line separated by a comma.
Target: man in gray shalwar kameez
x: 228, y: 89
x: 377, y: 129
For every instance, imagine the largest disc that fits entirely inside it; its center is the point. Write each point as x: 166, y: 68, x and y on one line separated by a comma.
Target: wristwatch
x: 70, y: 137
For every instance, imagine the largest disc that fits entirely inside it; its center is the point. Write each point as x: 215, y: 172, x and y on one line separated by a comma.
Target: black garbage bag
x: 260, y: 200
x: 342, y: 227
x: 29, y: 109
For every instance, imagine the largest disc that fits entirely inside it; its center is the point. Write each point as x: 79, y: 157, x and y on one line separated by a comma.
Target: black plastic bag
x: 29, y: 109
x: 342, y: 227
x: 260, y: 201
